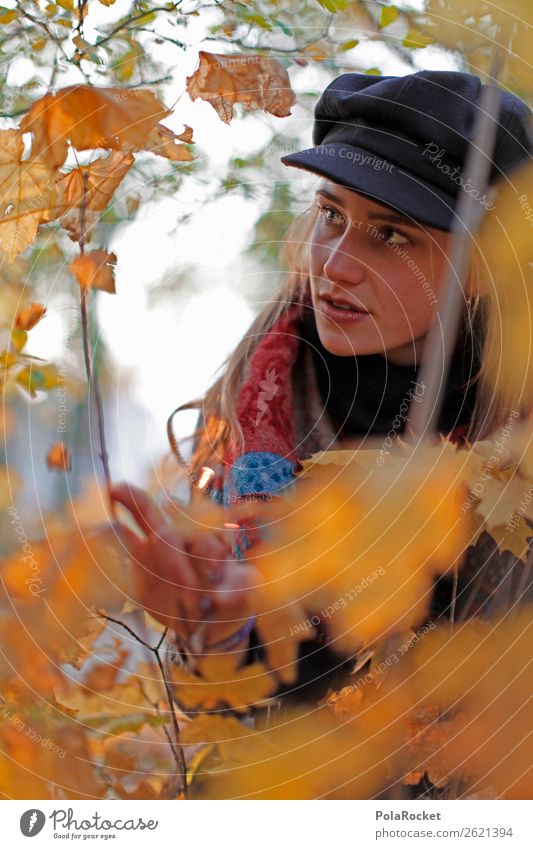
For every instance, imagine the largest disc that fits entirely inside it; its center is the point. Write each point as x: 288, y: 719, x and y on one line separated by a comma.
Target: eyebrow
x: 394, y: 217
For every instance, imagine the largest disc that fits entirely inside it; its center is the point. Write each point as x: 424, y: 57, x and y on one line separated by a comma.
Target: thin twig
x: 92, y: 376
x: 177, y: 750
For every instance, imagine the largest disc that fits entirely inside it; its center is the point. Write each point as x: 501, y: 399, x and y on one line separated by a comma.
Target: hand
x: 174, y: 572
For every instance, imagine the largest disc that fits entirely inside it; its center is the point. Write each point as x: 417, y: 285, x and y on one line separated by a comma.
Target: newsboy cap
x: 403, y: 140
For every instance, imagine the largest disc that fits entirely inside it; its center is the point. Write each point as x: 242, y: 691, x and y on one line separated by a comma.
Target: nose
x: 343, y: 265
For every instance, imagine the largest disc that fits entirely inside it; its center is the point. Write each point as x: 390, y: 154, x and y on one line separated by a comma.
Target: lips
x: 343, y: 303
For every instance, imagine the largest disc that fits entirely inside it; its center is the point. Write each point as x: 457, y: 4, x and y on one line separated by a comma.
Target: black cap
x: 403, y: 140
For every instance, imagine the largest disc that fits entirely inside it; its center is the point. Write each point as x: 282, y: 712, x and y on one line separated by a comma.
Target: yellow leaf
x: 8, y: 15
x: 506, y: 246
x: 481, y: 672
x: 428, y: 736
x: 18, y: 339
x: 34, y: 378
x: 360, y: 549
x: 417, y: 40
x: 213, y: 728
x: 514, y: 537
x: 95, y: 270
x: 221, y: 684
x: 26, y: 192
x: 389, y: 14
x: 258, y: 82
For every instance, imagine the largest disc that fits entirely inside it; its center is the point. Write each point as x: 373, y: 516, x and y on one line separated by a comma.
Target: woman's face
x: 384, y: 266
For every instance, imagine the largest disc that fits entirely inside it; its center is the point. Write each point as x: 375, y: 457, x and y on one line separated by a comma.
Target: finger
x: 134, y: 544
x: 140, y: 504
x: 206, y: 549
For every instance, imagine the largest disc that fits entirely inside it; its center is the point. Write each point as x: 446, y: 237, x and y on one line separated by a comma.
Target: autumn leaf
x: 47, y: 759
x: 88, y: 188
x: 213, y: 728
x: 389, y: 14
x: 258, y: 82
x: 29, y: 316
x: 474, y: 26
x: 95, y: 270
x: 359, y: 549
x: 427, y: 747
x: 101, y: 677
x: 162, y: 141
x: 481, y: 672
x: 281, y: 631
x: 346, y: 702
x: 221, y: 684
x: 26, y: 192
x: 37, y: 377
x: 90, y: 117
x: 58, y: 457
x: 505, y: 243
x: 309, y: 755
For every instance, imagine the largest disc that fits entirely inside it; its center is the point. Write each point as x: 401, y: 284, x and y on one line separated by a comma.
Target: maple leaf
x: 95, y: 270
x: 281, y: 632
x: 258, y: 82
x: 221, y: 684
x: 480, y: 671
x: 85, y: 191
x: 26, y: 192
x: 308, y: 755
x: 505, y: 244
x: 213, y: 728
x: 360, y: 551
x: 162, y: 142
x: 90, y: 117
x: 428, y: 751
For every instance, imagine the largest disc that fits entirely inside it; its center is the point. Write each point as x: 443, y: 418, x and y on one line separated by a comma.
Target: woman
x: 336, y: 355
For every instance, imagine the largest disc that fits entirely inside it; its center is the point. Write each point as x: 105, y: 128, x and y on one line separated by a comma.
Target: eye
x: 394, y: 237
x: 331, y: 215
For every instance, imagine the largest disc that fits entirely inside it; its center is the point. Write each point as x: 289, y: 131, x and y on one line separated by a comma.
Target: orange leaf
x: 258, y: 82
x: 186, y: 135
x: 89, y: 187
x: 59, y: 457
x: 90, y: 117
x: 162, y: 141
x: 95, y: 270
x: 29, y: 317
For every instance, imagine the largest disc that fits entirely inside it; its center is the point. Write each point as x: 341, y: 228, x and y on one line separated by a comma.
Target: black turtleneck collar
x: 364, y: 394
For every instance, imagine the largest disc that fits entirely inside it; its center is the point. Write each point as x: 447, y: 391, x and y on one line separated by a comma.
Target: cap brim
x: 362, y: 171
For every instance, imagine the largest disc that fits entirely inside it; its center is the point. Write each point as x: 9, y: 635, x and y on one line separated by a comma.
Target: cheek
x: 322, y: 245
x: 405, y: 300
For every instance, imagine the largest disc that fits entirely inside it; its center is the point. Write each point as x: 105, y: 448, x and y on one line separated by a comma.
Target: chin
x: 341, y: 345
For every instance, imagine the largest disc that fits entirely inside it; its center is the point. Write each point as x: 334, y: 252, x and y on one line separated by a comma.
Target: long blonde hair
x: 218, y: 424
